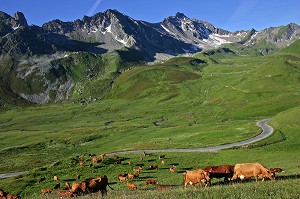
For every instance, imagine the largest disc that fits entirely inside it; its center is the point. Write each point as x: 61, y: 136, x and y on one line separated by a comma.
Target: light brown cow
x: 95, y: 160
x: 64, y: 194
x: 122, y: 178
x: 172, y: 170
x: 197, y: 176
x: 130, y: 185
x: 5, y: 195
x: 44, y: 191
x: 131, y: 176
x: 249, y: 170
x: 55, y: 178
x: 68, y: 185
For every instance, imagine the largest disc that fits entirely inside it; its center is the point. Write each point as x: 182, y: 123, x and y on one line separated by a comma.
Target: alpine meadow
x: 75, y: 95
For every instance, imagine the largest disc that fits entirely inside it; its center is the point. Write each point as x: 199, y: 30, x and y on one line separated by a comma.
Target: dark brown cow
x: 149, y: 181
x: 155, y: 166
x: 249, y: 170
x: 276, y: 170
x: 225, y: 171
x: 197, y: 176
x: 91, y: 186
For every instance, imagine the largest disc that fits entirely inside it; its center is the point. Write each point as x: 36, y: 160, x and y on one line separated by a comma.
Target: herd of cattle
x: 200, y: 176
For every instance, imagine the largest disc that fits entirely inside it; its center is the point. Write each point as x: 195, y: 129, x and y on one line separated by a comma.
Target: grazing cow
x: 121, y: 178
x: 81, y: 164
x: 161, y: 156
x: 197, y: 176
x: 129, y: 163
x: 154, y: 166
x: 102, y: 156
x: 172, y: 170
x: 131, y: 176
x: 139, y: 170
x: 42, y: 179
x: 44, y: 191
x: 130, y: 185
x: 149, y: 181
x: 65, y: 194
x: 91, y: 185
x: 95, y: 160
x: 225, y: 171
x: 55, y: 178
x: 163, y: 162
x: 252, y: 170
x: 276, y: 170
x: 163, y: 187
x: 77, y: 177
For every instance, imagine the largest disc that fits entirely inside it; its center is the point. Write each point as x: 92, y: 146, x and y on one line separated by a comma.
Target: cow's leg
x: 234, y: 177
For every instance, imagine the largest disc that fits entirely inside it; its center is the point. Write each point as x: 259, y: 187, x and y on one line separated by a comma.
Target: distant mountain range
x: 113, y: 30
x: 36, y: 65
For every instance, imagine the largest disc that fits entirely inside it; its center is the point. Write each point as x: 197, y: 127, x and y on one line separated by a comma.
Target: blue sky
x: 227, y: 14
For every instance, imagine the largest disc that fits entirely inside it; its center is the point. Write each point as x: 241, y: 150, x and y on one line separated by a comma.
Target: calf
x: 55, y: 178
x: 197, y: 176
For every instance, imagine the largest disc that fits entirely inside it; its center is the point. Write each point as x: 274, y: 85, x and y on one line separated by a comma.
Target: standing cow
x: 225, y: 171
x: 249, y: 170
x: 197, y: 176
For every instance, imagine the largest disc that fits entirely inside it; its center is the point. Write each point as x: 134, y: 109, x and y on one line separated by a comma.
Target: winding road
x: 267, y: 130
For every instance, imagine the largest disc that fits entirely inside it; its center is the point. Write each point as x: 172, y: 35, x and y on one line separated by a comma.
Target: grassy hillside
x: 181, y: 103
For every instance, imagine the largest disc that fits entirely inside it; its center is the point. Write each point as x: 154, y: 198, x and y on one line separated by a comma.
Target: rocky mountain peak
x: 20, y: 18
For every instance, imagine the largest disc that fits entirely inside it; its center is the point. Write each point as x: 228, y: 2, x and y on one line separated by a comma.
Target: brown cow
x: 197, y: 176
x: 154, y: 166
x: 122, y: 178
x: 172, y: 170
x: 149, y: 181
x: 64, y: 193
x: 42, y: 179
x: 139, y: 170
x: 44, y: 191
x: 131, y: 176
x: 249, y: 170
x: 95, y: 160
x: 130, y: 185
x: 225, y: 171
x: 55, y: 178
x: 91, y: 186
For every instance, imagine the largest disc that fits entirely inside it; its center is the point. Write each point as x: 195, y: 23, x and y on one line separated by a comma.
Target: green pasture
x: 181, y: 103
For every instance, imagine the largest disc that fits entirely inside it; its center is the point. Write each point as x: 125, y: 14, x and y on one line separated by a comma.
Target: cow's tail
x: 110, y: 187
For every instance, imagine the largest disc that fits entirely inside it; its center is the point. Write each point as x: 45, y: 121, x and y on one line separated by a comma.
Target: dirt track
x: 266, y: 131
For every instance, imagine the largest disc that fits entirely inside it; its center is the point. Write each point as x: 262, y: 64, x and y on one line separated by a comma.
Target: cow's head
x: 206, y: 176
